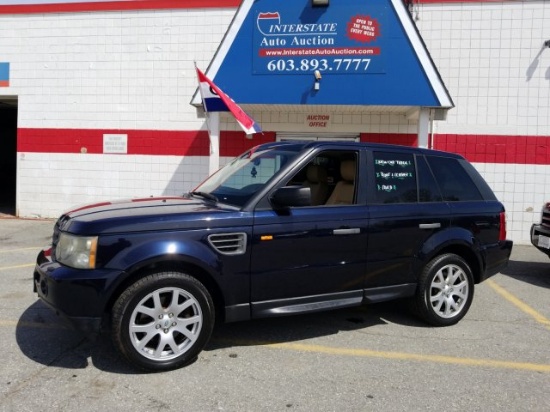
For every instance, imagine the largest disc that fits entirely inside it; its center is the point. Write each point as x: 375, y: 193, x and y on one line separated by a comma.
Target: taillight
x: 502, y: 231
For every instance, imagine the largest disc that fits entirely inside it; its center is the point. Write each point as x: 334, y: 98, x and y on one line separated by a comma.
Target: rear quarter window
x: 454, y: 181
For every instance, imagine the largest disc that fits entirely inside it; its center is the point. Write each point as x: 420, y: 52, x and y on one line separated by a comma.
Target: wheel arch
x: 466, y: 252
x: 169, y: 264
x: 459, y: 242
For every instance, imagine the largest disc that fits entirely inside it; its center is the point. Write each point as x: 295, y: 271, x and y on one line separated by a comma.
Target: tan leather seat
x: 317, y: 181
x: 345, y: 189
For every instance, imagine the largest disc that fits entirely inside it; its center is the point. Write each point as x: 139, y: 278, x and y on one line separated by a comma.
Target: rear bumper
x: 497, y: 258
x: 536, y: 230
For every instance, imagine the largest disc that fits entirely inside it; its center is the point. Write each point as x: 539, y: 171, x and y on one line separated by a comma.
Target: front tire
x: 445, y: 290
x: 163, y: 321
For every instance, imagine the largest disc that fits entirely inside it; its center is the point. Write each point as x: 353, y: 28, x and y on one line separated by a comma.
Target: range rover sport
x: 285, y: 228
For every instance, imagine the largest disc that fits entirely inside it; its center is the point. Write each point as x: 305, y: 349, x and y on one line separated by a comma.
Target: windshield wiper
x: 205, y: 196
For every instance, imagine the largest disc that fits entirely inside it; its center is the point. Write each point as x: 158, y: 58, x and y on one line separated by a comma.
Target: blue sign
x: 294, y: 40
x: 362, y: 53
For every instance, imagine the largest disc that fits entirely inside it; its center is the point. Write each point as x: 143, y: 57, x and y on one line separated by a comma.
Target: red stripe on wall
x: 402, y: 139
x: 497, y: 149
x: 117, y: 5
x: 233, y: 144
x: 146, y: 142
x: 140, y: 142
x: 475, y: 148
x: 479, y: 148
x: 4, y: 83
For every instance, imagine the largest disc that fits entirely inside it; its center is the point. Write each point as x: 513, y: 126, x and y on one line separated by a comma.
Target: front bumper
x: 79, y: 296
x: 536, y: 231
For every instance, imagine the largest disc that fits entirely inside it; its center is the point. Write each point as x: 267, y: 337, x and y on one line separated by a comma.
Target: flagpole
x: 213, y: 120
x: 213, y: 126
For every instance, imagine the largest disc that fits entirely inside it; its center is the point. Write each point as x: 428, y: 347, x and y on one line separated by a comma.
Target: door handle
x: 351, y: 231
x: 429, y: 225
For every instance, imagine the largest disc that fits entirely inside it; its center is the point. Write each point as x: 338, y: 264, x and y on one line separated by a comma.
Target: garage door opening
x: 8, y: 155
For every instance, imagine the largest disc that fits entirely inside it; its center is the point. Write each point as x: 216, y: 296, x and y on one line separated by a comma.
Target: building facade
x: 96, y: 100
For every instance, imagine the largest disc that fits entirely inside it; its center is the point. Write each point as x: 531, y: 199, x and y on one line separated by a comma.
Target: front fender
x: 136, y: 251
x: 131, y: 254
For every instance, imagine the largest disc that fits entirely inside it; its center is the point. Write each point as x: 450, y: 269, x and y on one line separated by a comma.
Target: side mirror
x: 291, y: 196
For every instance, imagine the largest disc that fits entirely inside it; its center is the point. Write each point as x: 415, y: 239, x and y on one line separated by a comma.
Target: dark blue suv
x: 285, y: 228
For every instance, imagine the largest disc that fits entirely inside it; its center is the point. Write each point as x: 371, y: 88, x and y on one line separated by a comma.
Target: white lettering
x: 303, y: 28
x: 276, y: 41
x: 312, y: 41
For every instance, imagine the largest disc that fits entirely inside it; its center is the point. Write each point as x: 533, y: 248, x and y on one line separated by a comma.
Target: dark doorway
x: 8, y: 155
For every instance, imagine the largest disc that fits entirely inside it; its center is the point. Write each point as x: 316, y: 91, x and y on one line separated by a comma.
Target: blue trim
x: 215, y: 104
x: 4, y: 71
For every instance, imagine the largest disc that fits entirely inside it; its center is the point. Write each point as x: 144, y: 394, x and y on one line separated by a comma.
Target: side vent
x: 228, y: 243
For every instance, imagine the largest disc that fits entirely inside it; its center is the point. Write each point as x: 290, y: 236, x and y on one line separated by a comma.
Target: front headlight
x: 76, y: 251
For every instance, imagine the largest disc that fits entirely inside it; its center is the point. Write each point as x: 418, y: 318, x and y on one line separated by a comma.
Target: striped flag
x: 214, y: 99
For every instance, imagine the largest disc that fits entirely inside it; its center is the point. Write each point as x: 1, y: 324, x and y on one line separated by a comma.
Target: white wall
x: 492, y: 59
x: 121, y: 70
x: 54, y: 182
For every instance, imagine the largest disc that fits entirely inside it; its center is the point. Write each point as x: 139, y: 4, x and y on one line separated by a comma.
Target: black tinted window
x: 428, y: 191
x: 455, y: 184
x: 395, y: 178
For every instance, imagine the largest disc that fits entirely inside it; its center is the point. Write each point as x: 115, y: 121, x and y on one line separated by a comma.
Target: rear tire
x: 445, y: 290
x: 162, y: 321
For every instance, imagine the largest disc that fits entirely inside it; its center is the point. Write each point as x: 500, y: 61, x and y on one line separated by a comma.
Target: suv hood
x: 155, y: 213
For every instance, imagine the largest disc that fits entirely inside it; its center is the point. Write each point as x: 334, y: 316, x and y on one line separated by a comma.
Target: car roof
x: 297, y: 144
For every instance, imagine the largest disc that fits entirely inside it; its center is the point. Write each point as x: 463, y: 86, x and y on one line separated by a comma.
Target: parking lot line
x: 535, y: 367
x: 32, y: 325
x: 26, y: 265
x: 518, y: 303
x: 20, y: 249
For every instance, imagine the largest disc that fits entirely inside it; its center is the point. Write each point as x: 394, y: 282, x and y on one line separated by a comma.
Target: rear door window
x: 395, y: 178
x: 428, y: 191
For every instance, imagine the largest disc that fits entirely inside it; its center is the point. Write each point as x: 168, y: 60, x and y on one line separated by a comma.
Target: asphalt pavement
x: 372, y: 358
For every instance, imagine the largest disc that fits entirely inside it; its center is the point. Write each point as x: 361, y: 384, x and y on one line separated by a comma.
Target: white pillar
x: 213, y: 119
x: 423, y: 127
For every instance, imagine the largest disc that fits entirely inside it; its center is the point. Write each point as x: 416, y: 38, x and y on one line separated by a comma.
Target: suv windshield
x: 239, y: 180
